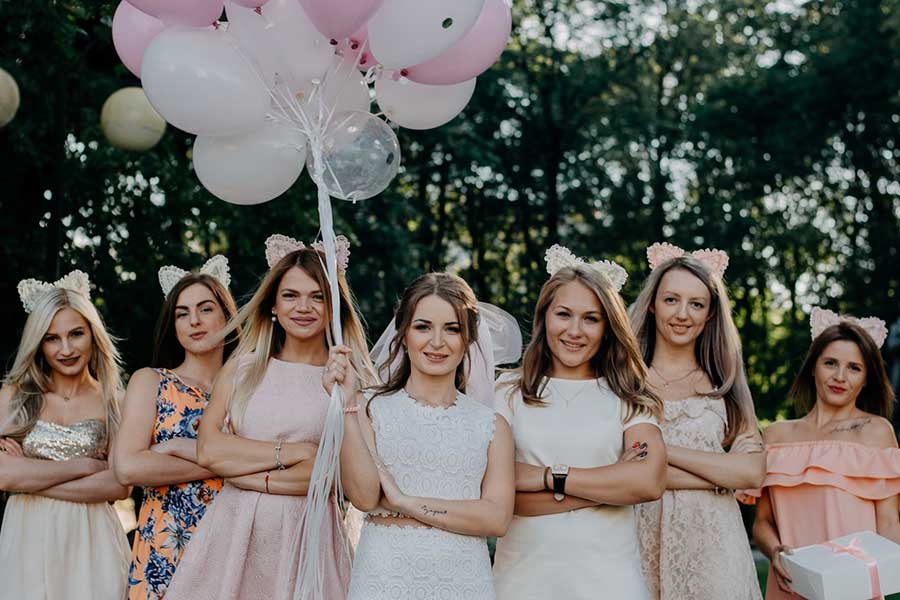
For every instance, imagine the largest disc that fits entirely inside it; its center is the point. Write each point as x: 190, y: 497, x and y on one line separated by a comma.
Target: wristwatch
x: 559, y: 473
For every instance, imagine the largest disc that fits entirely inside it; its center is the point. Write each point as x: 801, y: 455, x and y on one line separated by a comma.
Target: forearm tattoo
x: 431, y: 512
x: 852, y: 426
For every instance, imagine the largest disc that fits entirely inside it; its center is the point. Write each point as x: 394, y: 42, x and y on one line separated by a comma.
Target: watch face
x: 559, y: 469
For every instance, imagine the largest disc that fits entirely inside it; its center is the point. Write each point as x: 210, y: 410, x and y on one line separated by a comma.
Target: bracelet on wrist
x: 267, y: 482
x: 547, y: 488
x: 278, y: 464
x: 349, y: 410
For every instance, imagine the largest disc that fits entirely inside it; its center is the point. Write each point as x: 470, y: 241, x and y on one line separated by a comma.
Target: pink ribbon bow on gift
x: 855, y: 551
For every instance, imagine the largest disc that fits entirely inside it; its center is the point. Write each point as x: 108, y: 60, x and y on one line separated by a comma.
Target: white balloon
x: 250, y: 168
x: 129, y: 121
x: 9, y: 98
x: 419, y: 106
x: 199, y: 81
x: 403, y: 33
x: 249, y: 27
x: 345, y: 88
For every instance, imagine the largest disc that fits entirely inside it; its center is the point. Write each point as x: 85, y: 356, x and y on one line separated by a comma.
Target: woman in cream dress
x: 60, y: 538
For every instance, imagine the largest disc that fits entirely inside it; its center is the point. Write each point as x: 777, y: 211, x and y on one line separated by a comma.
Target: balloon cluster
x: 284, y: 83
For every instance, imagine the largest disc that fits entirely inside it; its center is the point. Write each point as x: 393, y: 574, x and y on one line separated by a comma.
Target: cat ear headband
x: 821, y: 319
x: 559, y: 257
x: 216, y: 267
x: 30, y: 290
x: 714, y: 260
x: 278, y: 246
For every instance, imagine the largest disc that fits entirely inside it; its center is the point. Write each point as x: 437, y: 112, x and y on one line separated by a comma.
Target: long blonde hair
x: 718, y: 348
x: 30, y: 376
x: 261, y: 339
x: 617, y: 359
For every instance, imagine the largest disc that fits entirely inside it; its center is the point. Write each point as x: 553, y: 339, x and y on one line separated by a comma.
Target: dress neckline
x: 71, y: 425
x: 188, y: 385
x: 296, y: 364
x: 429, y: 406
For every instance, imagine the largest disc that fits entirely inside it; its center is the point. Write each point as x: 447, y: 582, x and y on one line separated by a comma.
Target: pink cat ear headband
x: 714, y: 260
x: 821, y: 319
x: 278, y: 246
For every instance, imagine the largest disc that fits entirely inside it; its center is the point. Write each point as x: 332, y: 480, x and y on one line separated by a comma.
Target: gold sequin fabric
x: 50, y: 441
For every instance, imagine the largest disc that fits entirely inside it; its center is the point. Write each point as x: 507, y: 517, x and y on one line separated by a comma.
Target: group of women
x: 607, y: 464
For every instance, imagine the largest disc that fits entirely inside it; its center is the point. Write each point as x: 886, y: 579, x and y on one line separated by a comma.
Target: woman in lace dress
x: 261, y: 433
x: 836, y: 470
x: 163, y: 409
x: 433, y: 467
x: 578, y: 405
x: 693, y: 541
x: 60, y: 539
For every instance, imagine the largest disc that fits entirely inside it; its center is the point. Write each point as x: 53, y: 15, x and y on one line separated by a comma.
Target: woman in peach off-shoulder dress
x: 836, y: 470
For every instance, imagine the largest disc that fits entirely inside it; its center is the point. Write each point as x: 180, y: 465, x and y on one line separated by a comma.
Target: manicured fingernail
x: 643, y: 454
x: 635, y: 445
x: 644, y: 445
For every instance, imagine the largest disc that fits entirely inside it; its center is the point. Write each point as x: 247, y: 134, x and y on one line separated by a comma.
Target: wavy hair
x: 617, y: 359
x: 261, y: 338
x: 30, y: 376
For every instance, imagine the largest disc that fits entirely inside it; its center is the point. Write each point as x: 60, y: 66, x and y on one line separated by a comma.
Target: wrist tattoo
x: 852, y: 426
x: 431, y: 512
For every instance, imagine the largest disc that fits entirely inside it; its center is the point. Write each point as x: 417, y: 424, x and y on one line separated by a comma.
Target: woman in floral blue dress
x: 158, y: 447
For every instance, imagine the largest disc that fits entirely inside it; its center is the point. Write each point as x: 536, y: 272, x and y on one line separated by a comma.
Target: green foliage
x: 769, y: 130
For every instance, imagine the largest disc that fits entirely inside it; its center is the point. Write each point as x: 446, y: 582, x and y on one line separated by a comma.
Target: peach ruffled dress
x: 821, y: 490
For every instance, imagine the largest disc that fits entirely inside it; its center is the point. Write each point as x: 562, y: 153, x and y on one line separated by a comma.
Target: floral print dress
x: 169, y: 514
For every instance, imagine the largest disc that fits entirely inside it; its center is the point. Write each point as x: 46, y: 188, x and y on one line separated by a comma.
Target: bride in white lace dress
x: 432, y: 466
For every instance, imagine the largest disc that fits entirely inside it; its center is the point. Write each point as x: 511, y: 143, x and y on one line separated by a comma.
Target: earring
x: 274, y: 318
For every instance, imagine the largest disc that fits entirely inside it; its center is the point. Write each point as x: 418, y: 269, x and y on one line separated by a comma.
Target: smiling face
x: 575, y: 325
x: 198, y: 317
x: 300, y: 305
x: 68, y: 344
x: 681, y: 308
x: 840, y: 374
x: 434, y: 340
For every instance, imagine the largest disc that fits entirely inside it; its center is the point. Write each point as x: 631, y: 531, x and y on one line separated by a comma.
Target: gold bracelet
x: 349, y: 410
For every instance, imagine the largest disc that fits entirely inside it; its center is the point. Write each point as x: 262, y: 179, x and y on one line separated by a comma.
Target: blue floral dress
x: 169, y: 514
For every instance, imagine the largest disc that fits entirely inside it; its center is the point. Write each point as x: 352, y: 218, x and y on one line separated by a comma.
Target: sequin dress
x: 59, y: 550
x: 169, y: 514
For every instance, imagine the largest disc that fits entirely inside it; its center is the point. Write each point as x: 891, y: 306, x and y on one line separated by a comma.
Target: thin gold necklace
x: 667, y: 382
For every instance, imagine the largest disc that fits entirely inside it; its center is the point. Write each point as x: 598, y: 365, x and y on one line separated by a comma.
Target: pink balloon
x: 196, y: 13
x: 473, y: 54
x: 350, y: 46
x: 339, y: 18
x: 132, y: 31
x: 250, y: 3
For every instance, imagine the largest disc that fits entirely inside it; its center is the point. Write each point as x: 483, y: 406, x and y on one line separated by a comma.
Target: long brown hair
x: 876, y: 396
x: 717, y: 349
x: 617, y: 359
x: 262, y: 339
x: 459, y: 295
x: 168, y: 353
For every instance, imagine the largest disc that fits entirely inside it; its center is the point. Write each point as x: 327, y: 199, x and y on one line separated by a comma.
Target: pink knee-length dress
x: 247, y: 545
x: 821, y: 490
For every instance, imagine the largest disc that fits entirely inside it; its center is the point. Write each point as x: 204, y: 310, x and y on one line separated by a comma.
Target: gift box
x: 860, y: 566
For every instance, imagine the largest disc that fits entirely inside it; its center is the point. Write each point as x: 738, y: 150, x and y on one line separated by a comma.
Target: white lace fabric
x: 693, y: 542
x: 433, y: 452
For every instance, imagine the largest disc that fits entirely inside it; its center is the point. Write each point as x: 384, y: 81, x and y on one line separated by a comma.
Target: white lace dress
x: 693, y: 542
x: 584, y: 554
x: 432, y: 453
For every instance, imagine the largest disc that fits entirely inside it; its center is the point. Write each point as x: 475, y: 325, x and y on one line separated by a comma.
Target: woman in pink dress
x: 261, y: 432
x: 693, y: 541
x: 836, y: 470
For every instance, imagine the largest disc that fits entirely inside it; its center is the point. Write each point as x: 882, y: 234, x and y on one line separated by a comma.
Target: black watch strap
x: 559, y: 483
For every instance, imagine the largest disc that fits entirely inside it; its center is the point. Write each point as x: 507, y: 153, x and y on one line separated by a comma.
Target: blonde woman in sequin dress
x: 163, y: 409
x: 60, y: 538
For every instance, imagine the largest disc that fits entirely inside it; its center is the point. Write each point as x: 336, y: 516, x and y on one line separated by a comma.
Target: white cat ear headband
x: 278, y: 246
x: 559, y: 257
x: 30, y: 290
x: 821, y: 319
x: 216, y: 267
x: 714, y: 260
